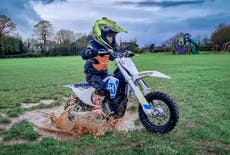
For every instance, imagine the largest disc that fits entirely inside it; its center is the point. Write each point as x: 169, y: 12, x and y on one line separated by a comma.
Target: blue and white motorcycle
x: 157, y: 111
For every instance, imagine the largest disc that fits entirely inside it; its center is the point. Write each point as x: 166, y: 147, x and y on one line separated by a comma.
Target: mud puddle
x: 54, y: 122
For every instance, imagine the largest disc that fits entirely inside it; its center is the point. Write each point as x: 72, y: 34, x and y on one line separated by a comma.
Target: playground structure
x: 186, y: 44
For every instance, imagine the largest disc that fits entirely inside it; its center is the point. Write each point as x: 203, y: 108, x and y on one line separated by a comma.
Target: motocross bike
x: 157, y: 111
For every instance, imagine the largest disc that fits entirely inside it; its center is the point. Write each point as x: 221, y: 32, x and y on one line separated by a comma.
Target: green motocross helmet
x: 101, y: 27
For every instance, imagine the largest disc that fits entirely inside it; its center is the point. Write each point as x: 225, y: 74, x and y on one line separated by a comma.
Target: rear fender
x: 83, y: 92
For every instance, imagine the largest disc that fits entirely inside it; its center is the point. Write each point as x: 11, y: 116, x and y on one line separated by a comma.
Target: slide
x: 196, y: 46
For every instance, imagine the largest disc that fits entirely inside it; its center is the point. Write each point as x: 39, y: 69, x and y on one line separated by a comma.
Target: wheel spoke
x: 163, y: 117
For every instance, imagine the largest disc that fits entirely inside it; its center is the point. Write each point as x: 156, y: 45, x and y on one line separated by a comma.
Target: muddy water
x: 54, y: 122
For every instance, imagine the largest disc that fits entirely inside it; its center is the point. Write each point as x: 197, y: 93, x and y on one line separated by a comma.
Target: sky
x: 147, y: 21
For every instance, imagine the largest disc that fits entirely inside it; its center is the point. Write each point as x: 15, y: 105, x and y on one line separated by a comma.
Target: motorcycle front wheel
x: 165, y: 114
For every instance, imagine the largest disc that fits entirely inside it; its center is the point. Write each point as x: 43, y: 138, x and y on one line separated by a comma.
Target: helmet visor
x: 107, y: 28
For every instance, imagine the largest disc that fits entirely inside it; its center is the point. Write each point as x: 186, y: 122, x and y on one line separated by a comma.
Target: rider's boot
x: 97, y: 110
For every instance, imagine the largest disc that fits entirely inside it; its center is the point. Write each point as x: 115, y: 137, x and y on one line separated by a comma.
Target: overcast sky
x: 148, y: 21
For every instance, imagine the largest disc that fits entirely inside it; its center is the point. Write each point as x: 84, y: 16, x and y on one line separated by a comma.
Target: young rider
x: 96, y: 67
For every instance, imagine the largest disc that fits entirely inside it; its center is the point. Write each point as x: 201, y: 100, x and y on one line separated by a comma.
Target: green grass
x: 32, y: 79
x: 23, y: 130
x: 200, y: 84
x: 47, y: 146
x: 2, y: 131
x: 4, y: 119
x: 15, y: 112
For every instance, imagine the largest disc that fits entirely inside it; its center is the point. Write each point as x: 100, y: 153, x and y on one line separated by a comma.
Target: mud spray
x: 85, y: 123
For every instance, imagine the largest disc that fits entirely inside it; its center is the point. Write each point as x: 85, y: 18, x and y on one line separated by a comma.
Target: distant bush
x: 208, y: 47
x: 160, y: 49
x: 11, y: 46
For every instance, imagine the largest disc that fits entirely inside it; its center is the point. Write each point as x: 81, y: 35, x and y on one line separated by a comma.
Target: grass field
x: 200, y: 84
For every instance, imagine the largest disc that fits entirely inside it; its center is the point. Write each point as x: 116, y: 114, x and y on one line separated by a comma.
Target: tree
x: 82, y: 42
x: 6, y: 26
x: 33, y: 46
x: 43, y: 30
x: 65, y: 36
x: 221, y: 35
x: 79, y: 35
x: 12, y: 46
x: 151, y: 48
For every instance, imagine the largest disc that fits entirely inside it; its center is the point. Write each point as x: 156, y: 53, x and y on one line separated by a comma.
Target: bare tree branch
x: 6, y: 25
x: 43, y: 30
x: 65, y: 36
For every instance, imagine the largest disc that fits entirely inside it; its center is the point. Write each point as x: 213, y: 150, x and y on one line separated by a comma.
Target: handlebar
x: 104, y: 52
x: 125, y: 53
x: 117, y: 54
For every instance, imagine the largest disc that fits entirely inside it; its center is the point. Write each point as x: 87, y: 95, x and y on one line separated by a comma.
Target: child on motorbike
x: 97, y: 56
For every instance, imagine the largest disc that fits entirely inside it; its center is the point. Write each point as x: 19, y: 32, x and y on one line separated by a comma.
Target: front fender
x: 144, y: 74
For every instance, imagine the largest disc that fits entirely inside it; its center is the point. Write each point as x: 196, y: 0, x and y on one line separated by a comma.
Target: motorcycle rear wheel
x: 118, y: 110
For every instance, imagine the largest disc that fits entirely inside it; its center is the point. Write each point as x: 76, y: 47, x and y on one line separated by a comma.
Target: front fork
x: 147, y: 108
x: 139, y: 93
